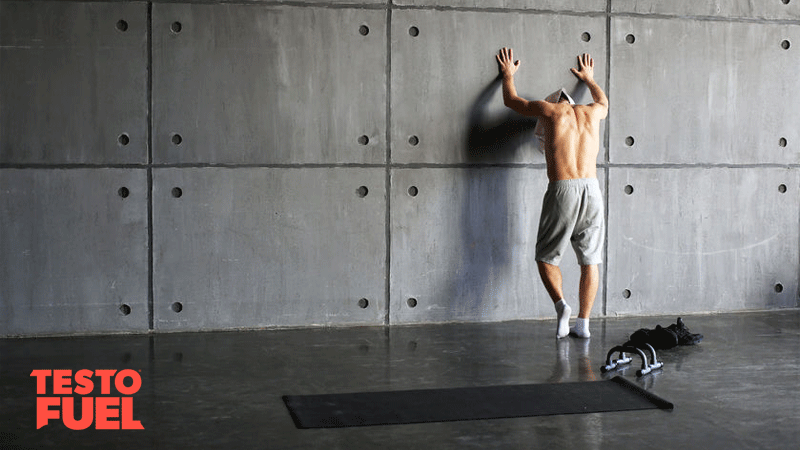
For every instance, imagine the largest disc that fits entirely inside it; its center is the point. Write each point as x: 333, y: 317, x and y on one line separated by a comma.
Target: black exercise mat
x: 490, y: 402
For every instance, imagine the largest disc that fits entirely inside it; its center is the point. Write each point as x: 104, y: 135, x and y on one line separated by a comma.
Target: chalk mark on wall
x: 703, y: 253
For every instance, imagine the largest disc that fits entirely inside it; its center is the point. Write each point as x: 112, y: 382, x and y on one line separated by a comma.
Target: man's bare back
x: 572, y: 141
x: 572, y: 133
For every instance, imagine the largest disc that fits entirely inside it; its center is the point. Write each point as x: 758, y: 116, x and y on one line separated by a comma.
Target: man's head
x: 560, y: 96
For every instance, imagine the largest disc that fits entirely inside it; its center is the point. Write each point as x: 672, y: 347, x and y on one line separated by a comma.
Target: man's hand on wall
x: 585, y: 70
x: 505, y: 60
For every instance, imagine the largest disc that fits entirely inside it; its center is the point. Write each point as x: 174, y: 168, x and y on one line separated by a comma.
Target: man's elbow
x: 600, y: 109
x: 511, y: 105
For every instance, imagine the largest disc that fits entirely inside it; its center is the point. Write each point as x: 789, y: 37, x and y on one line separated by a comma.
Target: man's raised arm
x: 585, y: 73
x: 507, y: 66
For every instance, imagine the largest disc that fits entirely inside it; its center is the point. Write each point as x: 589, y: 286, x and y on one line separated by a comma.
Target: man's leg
x: 590, y: 279
x: 587, y: 241
x: 551, y: 277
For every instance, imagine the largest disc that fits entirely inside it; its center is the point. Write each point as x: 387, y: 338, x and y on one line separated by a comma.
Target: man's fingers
x: 584, y: 61
x: 506, y: 56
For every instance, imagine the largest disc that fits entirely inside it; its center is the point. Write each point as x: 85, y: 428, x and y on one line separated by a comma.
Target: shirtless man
x: 572, y: 210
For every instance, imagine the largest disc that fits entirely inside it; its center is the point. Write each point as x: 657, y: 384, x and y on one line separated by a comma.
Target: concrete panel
x: 697, y: 240
x: 73, y: 251
x: 264, y: 247
x: 772, y: 9
x: 464, y: 246
x: 549, y: 5
x: 445, y: 91
x: 703, y: 92
x: 73, y: 82
x: 268, y: 84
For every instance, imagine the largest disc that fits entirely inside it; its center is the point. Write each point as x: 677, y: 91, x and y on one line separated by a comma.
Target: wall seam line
x: 150, y: 257
x: 607, y: 139
x: 388, y: 168
x: 491, y: 9
x: 20, y: 166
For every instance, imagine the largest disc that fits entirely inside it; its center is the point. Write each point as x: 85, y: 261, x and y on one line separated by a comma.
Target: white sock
x: 564, y: 311
x: 581, y: 328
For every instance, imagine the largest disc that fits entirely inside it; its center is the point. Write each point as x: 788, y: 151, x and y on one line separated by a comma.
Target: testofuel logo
x: 107, y: 413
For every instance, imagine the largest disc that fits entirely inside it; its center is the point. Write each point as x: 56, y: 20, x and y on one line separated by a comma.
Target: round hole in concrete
x: 122, y: 25
x: 782, y: 142
x: 586, y: 37
x: 785, y: 2
x: 363, y: 303
x: 785, y: 44
x: 630, y: 39
x: 124, y: 139
x: 364, y: 30
x: 362, y: 191
x: 778, y: 288
x: 176, y: 27
x: 125, y: 309
x: 363, y: 140
x: 412, y: 302
x: 123, y: 192
x: 413, y: 31
x: 629, y: 189
x: 177, y: 192
x: 629, y: 141
x: 626, y: 293
x: 177, y: 307
x: 177, y: 139
x: 782, y: 189
x: 413, y: 191
x: 413, y: 141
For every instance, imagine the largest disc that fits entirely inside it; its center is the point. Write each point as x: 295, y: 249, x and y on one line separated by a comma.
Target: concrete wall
x: 174, y: 166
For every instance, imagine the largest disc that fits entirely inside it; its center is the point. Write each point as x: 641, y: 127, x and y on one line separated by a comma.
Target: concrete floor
x: 738, y: 389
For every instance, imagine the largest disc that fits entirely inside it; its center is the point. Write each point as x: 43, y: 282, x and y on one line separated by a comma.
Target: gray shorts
x: 572, y: 211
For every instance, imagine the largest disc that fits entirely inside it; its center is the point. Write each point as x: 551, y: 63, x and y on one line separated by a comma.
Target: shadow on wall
x: 495, y: 138
x: 485, y: 228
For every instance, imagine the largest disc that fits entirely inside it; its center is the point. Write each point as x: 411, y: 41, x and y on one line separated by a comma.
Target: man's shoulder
x: 595, y: 110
